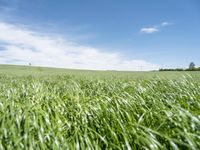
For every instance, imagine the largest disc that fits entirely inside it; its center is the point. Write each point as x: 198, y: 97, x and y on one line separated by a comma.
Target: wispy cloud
x: 155, y: 28
x: 22, y: 45
x: 164, y: 24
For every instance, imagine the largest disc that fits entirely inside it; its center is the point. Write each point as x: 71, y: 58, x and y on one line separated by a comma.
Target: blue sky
x: 100, y: 34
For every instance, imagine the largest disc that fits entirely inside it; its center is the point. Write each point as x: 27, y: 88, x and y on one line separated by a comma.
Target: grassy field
x: 46, y: 108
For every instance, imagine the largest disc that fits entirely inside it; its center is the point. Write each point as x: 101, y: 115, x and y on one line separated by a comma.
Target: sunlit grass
x: 68, y: 112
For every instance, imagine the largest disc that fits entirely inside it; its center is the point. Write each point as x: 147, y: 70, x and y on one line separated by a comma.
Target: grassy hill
x: 48, y: 108
x: 45, y: 71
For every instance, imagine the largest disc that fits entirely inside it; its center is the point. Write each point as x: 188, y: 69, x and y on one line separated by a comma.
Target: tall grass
x: 67, y: 112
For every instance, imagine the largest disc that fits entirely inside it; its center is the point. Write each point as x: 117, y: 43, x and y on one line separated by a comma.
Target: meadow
x: 48, y: 108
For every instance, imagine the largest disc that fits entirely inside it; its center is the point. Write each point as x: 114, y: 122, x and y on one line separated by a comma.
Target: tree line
x: 190, y: 68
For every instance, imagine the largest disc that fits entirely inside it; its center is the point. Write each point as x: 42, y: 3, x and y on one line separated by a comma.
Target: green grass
x: 46, y: 108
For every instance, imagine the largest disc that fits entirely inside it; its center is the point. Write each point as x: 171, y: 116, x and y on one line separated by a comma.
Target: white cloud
x: 163, y: 24
x: 156, y: 28
x: 149, y: 30
x: 22, y: 46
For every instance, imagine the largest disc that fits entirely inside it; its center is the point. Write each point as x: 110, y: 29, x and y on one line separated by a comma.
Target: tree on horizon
x: 191, y: 66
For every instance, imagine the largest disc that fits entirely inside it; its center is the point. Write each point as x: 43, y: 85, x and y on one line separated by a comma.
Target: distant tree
x: 29, y: 64
x: 192, y: 66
